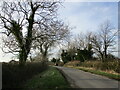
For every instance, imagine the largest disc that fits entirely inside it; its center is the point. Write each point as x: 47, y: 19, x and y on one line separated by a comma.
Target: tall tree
x: 19, y: 18
x: 104, y: 39
x: 107, y: 35
x: 56, y: 32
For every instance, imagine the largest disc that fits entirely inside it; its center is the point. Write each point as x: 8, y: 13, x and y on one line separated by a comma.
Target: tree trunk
x: 25, y: 49
x: 102, y: 56
x: 22, y: 57
x: 105, y: 51
x: 44, y: 56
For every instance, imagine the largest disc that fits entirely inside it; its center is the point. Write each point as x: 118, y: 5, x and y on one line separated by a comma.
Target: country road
x: 81, y: 79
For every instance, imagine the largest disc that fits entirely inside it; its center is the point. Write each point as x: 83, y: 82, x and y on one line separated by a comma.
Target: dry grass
x: 72, y: 63
x: 109, y: 74
x: 108, y: 66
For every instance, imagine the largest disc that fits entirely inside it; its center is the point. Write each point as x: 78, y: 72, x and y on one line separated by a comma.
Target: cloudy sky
x: 87, y: 16
x: 84, y: 16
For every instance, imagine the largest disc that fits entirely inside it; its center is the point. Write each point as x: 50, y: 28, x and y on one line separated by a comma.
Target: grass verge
x: 51, y: 79
x: 99, y: 72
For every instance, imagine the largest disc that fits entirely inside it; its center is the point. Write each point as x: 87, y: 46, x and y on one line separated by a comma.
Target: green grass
x: 51, y: 79
x: 109, y: 75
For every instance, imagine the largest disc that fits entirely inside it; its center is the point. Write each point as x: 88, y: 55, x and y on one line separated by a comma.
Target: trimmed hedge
x: 13, y: 76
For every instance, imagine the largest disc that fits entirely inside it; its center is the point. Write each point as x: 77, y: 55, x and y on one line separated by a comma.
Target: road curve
x: 81, y: 79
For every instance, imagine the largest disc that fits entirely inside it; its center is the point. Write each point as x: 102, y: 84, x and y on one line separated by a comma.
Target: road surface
x: 81, y: 79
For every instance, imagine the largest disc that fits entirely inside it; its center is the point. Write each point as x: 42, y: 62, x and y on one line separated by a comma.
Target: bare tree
x: 107, y: 36
x: 19, y: 18
x: 97, y: 46
x: 82, y: 41
x: 104, y: 39
x: 9, y: 45
x: 52, y: 35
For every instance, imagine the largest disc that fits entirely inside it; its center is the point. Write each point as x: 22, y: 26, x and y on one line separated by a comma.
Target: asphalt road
x: 81, y: 79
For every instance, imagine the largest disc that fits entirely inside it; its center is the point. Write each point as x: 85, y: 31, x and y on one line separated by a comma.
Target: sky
x: 87, y: 16
x: 83, y: 16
